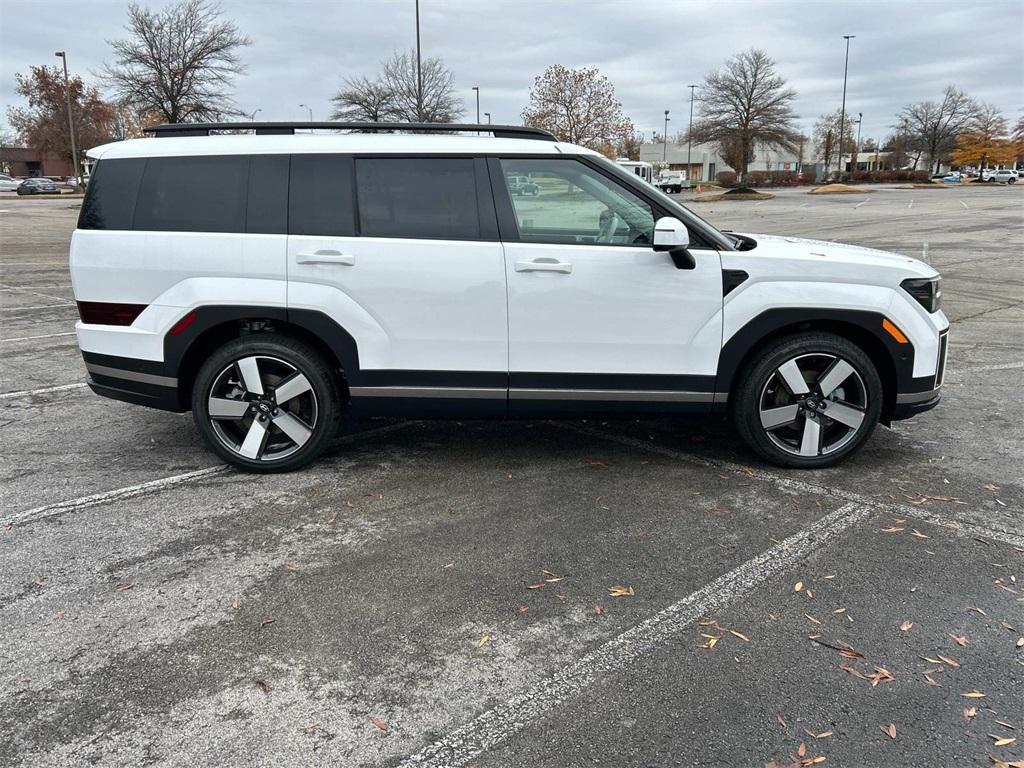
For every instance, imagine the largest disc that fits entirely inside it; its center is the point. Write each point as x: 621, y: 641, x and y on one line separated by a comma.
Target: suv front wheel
x: 266, y: 403
x: 808, y: 400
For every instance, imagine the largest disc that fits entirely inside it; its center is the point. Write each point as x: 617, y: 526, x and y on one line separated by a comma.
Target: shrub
x: 726, y: 178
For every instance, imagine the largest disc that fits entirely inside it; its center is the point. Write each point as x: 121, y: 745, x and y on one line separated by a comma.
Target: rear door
x: 598, y: 320
x: 403, y: 253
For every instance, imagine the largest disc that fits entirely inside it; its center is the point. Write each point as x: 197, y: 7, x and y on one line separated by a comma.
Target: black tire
x: 1011, y: 180
x: 761, y: 391
x: 313, y: 413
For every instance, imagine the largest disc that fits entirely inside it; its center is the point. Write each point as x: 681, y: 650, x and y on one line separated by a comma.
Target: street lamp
x: 689, y: 137
x: 310, y: 111
x: 488, y: 116
x: 664, y: 152
x: 71, y: 122
x: 477, y: 89
x: 252, y: 115
x: 856, y: 149
x: 842, y: 111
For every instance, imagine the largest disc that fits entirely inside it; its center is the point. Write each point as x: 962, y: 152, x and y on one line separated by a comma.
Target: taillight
x: 104, y: 313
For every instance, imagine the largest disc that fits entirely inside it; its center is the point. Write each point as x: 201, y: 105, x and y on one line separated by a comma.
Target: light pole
x: 419, y: 68
x: 477, y: 89
x: 664, y: 138
x: 252, y: 116
x: 689, y: 138
x: 71, y: 122
x: 842, y: 110
x: 856, y: 149
x: 488, y: 116
x: 310, y: 111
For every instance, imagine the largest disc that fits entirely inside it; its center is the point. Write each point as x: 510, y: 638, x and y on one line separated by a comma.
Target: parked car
x: 521, y: 185
x: 988, y: 174
x: 1005, y: 176
x: 396, y: 274
x: 8, y: 183
x: 672, y: 181
x: 38, y: 187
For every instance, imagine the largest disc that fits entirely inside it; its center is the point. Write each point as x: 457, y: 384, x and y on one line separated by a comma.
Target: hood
x: 828, y: 255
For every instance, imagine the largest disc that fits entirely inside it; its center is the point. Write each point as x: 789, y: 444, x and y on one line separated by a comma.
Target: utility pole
x: 664, y: 151
x: 842, y: 111
x: 419, y: 68
x: 689, y: 138
x: 856, y: 149
x: 71, y: 121
x: 477, y: 89
x: 488, y: 116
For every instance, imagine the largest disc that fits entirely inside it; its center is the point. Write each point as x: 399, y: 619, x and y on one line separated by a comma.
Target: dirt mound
x: 838, y: 189
x: 739, y: 193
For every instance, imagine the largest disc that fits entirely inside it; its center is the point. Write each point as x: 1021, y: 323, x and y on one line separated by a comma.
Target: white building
x: 706, y: 163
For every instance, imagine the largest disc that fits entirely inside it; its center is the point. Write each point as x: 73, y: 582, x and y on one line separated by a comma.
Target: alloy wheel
x: 813, y: 405
x: 262, y: 408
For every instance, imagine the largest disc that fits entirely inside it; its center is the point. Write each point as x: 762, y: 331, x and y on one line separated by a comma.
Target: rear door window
x: 418, y: 197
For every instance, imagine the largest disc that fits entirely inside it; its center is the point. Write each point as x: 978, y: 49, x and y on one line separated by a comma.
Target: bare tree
x: 436, y: 103
x: 578, y: 106
x: 935, y: 126
x: 628, y: 145
x: 178, y: 63
x: 362, y: 99
x: 826, y: 138
x: 744, y: 104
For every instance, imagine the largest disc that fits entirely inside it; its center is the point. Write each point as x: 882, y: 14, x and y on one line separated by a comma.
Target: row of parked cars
x: 997, y: 175
x: 32, y: 186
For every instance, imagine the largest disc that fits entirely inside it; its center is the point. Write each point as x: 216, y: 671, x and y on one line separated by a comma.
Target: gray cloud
x: 903, y: 52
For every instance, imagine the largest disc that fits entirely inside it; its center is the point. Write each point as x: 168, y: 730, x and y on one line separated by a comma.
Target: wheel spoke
x: 291, y: 426
x: 794, y: 379
x: 255, y: 439
x: 292, y: 387
x: 844, y: 414
x: 810, y: 444
x: 773, y: 418
x: 225, y: 408
x: 249, y: 370
x: 839, y: 372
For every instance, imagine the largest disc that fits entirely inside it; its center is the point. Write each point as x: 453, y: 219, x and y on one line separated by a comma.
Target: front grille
x: 940, y: 372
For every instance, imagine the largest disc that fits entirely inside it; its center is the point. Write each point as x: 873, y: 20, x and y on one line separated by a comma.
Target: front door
x: 597, y: 318
x: 403, y: 254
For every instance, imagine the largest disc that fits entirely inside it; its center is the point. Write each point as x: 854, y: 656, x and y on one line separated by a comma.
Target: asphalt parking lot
x: 639, y: 593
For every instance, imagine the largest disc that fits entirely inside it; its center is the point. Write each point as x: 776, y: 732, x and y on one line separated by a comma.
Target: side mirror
x: 671, y: 235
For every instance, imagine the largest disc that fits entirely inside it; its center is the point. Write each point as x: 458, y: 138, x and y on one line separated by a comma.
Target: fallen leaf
x: 1006, y: 725
x: 310, y: 727
x: 823, y: 735
x: 780, y: 721
x: 970, y: 712
x: 817, y: 760
x: 266, y: 622
x: 740, y: 635
x: 536, y: 586
x: 889, y: 730
x: 960, y: 640
x: 951, y: 662
x: 553, y: 580
x: 236, y: 604
x: 264, y: 686
x: 619, y: 591
x: 123, y: 587
x: 600, y: 464
x: 521, y: 609
x: 839, y: 610
x: 811, y: 618
x: 598, y: 609
x: 1001, y: 742
x: 1006, y: 625
x: 976, y: 610
x: 483, y: 641
x: 332, y: 520
x: 798, y: 586
x: 893, y: 529
x: 931, y: 681
x: 930, y: 660
x: 379, y: 723
x: 906, y: 625
x: 1020, y: 642
x: 973, y: 695
x: 801, y: 750
x: 291, y: 566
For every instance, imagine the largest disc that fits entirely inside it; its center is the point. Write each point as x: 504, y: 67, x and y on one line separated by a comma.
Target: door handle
x: 544, y: 265
x: 325, y: 257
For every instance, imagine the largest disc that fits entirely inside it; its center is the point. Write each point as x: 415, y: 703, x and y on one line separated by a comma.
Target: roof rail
x: 203, y: 129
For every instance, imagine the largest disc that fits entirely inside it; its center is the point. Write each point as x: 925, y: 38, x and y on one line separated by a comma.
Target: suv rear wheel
x: 808, y: 400
x: 266, y: 403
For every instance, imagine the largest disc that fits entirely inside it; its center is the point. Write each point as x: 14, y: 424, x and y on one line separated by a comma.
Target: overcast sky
x: 904, y: 50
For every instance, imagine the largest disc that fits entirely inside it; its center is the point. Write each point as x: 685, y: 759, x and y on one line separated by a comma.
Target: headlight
x: 927, y: 292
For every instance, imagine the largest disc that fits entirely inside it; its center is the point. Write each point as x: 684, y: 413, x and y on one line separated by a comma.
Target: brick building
x: 25, y: 161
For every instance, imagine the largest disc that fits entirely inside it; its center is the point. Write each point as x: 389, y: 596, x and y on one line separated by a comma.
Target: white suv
x: 272, y: 283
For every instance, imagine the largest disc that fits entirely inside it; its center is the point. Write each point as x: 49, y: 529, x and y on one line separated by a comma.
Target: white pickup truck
x: 672, y: 181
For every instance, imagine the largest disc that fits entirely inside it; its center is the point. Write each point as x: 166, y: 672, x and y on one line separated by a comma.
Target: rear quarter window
x: 110, y: 198
x: 193, y: 194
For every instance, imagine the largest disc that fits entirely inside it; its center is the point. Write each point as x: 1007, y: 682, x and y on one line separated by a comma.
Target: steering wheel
x: 609, y: 225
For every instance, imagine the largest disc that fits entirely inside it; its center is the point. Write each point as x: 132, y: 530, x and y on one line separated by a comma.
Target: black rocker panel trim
x: 636, y: 381
x: 135, y: 392
x: 771, y: 321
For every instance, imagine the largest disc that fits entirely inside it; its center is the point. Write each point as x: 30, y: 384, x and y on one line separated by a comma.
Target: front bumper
x: 912, y: 403
x: 904, y: 410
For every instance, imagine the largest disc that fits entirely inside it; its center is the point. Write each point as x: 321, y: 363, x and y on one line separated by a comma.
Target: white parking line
x: 41, y: 336
x: 42, y: 391
x: 802, y: 487
x: 911, y: 203
x: 36, y: 293
x: 39, y: 306
x: 963, y: 204
x: 496, y: 725
x: 862, y: 202
x: 983, y: 368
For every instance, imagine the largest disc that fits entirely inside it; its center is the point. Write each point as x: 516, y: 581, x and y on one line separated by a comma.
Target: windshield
x: 681, y: 212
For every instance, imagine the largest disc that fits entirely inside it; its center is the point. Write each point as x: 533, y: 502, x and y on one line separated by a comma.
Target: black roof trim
x: 203, y: 129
